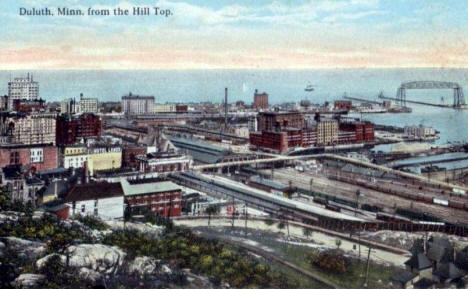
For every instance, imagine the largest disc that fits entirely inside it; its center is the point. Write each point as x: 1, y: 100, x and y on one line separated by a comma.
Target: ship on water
x: 309, y: 88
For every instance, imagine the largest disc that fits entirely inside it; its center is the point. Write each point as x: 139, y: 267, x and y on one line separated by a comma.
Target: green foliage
x: 269, y: 222
x: 6, y: 204
x: 281, y: 225
x: 307, y: 232
x: 331, y: 261
x: 183, y: 249
x: 92, y: 222
x: 59, y: 276
x: 48, y: 228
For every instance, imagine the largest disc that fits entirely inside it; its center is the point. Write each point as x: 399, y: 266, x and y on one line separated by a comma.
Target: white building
x: 88, y: 105
x: 35, y: 128
x: 419, y: 131
x: 68, y: 106
x: 164, y: 107
x: 137, y: 104
x: 103, y: 200
x: 22, y: 88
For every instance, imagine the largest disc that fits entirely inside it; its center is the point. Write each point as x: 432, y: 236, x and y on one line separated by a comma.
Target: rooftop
x: 419, y: 261
x: 268, y: 183
x: 94, y: 191
x: 148, y: 188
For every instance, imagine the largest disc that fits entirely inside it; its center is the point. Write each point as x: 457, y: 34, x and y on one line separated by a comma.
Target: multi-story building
x: 363, y: 131
x: 103, y: 200
x: 34, y: 128
x: 343, y: 105
x: 70, y: 128
x: 137, y: 104
x: 88, y: 105
x: 21, y: 105
x: 163, y: 162
x: 327, y: 132
x: 36, y: 157
x: 151, y: 196
x: 24, y: 88
x: 260, y: 100
x: 321, y: 133
x: 67, y: 106
x: 419, y: 131
x: 166, y: 107
x: 277, y: 121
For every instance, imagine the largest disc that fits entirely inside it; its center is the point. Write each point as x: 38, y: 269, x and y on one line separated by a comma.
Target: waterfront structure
x: 22, y: 88
x: 276, y: 121
x: 280, y: 136
x: 88, y: 105
x: 70, y: 128
x: 35, y: 157
x: 152, y: 196
x: 419, y: 131
x: 30, y: 129
x: 327, y: 132
x: 163, y: 162
x: 103, y: 200
x: 343, y: 105
x: 137, y: 104
x: 260, y: 100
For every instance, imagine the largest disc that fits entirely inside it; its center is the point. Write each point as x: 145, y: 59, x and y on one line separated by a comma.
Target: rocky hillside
x: 38, y: 250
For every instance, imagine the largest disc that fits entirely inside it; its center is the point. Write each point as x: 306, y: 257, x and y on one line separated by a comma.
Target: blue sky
x: 238, y: 34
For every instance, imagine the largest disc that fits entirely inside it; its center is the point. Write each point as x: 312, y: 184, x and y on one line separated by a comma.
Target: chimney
x: 84, y: 177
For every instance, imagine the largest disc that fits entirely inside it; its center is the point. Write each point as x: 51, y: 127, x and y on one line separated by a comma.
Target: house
x: 436, y: 264
x: 404, y: 279
x: 424, y: 283
x: 419, y: 264
x: 103, y: 200
x: 153, y: 196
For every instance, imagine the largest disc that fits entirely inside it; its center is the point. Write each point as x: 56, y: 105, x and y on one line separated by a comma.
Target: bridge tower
x: 458, y: 97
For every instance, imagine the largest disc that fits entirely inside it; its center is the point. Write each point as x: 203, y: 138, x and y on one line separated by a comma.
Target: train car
x: 333, y: 208
x: 456, y: 204
x: 371, y: 208
x: 392, y: 218
x: 320, y: 200
x: 442, y: 202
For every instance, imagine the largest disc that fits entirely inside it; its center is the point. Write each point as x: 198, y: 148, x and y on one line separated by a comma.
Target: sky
x: 245, y: 34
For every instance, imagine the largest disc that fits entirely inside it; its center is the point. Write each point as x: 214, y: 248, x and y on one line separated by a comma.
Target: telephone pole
x: 367, y: 267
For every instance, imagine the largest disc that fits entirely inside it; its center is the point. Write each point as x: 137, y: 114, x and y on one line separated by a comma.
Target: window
x: 83, y: 208
x: 95, y: 211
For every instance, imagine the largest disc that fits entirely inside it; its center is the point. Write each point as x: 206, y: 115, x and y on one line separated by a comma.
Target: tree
x: 338, y: 243
x: 211, y: 210
x: 307, y: 232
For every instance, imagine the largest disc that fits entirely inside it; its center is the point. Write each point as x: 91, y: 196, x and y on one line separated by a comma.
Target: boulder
x: 90, y: 275
x: 24, y: 281
x: 147, y: 228
x: 143, y: 265
x: 30, y: 249
x: 41, y: 262
x: 98, y: 257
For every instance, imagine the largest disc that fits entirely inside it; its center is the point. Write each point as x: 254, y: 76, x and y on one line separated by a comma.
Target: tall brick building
x: 71, y: 128
x: 260, y: 100
x: 40, y: 158
x: 277, y: 121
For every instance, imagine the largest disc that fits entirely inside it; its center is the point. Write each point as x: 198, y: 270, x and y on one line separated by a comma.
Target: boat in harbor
x: 309, y: 88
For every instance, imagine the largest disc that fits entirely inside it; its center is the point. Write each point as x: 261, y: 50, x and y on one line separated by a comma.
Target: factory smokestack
x: 225, y: 108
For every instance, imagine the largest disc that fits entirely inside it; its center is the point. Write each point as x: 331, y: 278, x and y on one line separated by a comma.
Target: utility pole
x: 233, y: 211
x: 367, y: 267
x: 245, y: 211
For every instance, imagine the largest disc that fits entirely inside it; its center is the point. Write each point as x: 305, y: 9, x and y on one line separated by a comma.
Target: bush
x: 92, y: 222
x: 331, y: 261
